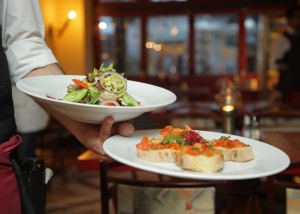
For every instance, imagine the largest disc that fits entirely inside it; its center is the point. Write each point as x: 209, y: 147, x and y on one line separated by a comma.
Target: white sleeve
x: 23, y: 37
x: 277, y: 50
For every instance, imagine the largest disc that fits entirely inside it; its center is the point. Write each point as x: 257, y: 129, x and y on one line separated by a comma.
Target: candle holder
x: 228, y: 99
x: 228, y: 119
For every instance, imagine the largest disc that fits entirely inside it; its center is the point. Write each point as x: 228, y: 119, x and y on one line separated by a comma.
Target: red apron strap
x: 9, y: 194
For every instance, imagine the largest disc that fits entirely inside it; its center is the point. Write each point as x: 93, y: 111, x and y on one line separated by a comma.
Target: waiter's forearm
x: 53, y: 69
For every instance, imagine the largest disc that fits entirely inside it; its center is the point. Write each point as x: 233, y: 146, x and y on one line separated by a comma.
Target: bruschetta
x: 154, y: 151
x: 233, y: 150
x: 163, y: 148
x: 199, y: 157
x: 184, y: 147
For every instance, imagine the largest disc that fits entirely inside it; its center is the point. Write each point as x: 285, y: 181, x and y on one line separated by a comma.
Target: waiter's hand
x: 96, y: 136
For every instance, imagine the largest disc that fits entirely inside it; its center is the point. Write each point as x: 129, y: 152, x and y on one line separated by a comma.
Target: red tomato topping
x: 227, y: 143
x: 81, y: 84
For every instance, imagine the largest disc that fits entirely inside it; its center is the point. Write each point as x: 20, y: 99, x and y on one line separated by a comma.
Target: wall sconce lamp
x: 229, y: 99
x: 59, y: 32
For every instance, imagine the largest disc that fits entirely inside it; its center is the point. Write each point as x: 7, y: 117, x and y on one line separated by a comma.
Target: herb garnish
x: 173, y: 139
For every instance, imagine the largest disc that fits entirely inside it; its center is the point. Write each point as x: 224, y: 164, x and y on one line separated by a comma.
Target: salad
x: 103, y: 86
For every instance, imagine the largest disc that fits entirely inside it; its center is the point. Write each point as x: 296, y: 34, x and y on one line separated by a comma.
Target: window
x: 254, y: 36
x: 153, y: 38
x: 120, y: 42
x: 167, y: 38
x: 216, y: 44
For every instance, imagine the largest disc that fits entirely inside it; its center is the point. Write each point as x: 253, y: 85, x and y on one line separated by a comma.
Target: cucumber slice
x: 129, y: 100
x: 76, y: 95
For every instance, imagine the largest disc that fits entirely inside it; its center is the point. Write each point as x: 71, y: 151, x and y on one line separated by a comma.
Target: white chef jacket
x: 23, y: 37
x: 23, y: 41
x: 29, y: 116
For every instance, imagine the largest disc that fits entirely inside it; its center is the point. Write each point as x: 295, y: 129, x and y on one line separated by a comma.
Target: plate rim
x: 190, y: 174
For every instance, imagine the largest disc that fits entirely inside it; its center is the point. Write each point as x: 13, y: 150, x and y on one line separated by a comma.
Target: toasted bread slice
x: 153, y: 150
x: 233, y: 150
x: 199, y: 157
x: 241, y: 154
x: 158, y: 156
x: 200, y: 163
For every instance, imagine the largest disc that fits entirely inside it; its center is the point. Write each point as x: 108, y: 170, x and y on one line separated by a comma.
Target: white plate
x: 150, y: 96
x: 268, y: 159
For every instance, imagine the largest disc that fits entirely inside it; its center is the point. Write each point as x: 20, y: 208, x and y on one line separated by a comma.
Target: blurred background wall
x: 73, y: 48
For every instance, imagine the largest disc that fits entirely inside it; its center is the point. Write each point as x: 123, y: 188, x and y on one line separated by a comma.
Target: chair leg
x: 253, y: 203
x: 160, y: 177
x: 134, y: 175
x: 104, y: 189
x: 257, y: 206
x: 229, y: 194
x: 270, y: 194
x: 113, y: 192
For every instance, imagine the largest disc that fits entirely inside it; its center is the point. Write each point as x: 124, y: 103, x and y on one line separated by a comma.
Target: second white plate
x: 268, y: 159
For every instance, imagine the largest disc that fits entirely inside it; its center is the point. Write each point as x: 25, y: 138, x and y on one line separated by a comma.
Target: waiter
x: 285, y: 55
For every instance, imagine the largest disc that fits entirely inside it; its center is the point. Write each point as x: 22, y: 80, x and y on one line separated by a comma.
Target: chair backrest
x: 278, y: 114
x: 152, y: 200
x: 291, y: 183
x: 162, y: 193
x: 278, y: 110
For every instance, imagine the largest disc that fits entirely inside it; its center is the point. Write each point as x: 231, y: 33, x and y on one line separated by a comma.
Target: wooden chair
x: 275, y: 181
x: 278, y: 110
x: 109, y: 184
x: 52, y: 145
x: 285, y: 116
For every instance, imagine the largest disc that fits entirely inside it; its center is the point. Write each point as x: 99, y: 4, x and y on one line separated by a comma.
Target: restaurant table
x: 200, y: 109
x: 245, y: 108
x: 287, y: 140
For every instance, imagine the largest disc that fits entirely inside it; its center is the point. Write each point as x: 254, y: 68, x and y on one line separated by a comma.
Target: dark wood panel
x: 142, y: 7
